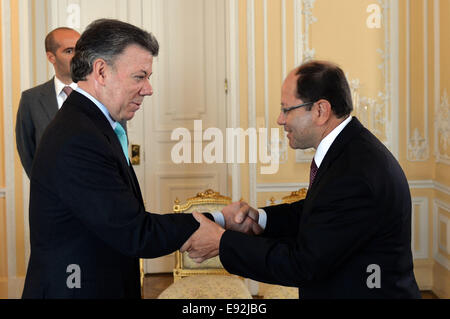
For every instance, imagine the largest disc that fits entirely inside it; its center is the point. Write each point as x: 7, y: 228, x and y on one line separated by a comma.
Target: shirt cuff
x: 262, y: 220
x: 218, y: 218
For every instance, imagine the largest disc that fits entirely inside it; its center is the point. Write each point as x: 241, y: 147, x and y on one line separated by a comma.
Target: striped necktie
x: 312, y: 173
x: 120, y: 132
x: 67, y: 90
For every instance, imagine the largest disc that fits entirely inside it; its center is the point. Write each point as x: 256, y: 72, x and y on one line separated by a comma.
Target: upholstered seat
x: 207, y: 287
x: 278, y: 292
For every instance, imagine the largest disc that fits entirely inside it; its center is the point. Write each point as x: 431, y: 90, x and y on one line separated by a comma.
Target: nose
x: 147, y: 89
x: 281, y: 119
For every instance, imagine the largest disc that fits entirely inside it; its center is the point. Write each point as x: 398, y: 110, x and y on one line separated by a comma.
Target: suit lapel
x: 104, y: 126
x: 48, y: 101
x: 348, y: 133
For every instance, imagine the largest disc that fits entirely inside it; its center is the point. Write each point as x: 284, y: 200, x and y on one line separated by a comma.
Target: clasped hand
x: 205, y: 242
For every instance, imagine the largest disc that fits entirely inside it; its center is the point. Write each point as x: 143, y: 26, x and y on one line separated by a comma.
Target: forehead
x: 62, y: 35
x: 289, y: 88
x: 66, y: 37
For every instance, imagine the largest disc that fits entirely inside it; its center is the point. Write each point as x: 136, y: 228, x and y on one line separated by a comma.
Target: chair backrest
x: 295, y: 196
x: 207, y: 201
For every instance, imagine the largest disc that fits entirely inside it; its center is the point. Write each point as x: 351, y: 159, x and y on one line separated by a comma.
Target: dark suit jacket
x: 356, y: 214
x: 86, y: 209
x: 37, y: 107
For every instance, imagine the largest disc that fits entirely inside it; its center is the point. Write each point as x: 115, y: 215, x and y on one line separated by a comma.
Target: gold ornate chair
x: 207, y: 201
x: 208, y: 280
x: 276, y: 291
x: 295, y: 196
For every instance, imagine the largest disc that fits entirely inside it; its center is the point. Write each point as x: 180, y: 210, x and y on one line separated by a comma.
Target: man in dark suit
x: 38, y: 105
x: 351, y: 236
x: 88, y: 224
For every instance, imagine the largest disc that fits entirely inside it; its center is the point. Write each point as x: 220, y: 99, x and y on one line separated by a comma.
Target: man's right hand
x: 239, y: 216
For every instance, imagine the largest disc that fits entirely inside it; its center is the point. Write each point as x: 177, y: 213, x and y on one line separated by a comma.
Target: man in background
x: 39, y: 105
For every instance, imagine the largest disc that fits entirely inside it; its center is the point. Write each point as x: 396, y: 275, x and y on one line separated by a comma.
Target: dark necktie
x: 120, y: 132
x: 312, y: 173
x: 67, y: 90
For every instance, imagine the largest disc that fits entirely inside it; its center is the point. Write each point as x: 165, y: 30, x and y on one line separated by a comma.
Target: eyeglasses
x: 286, y: 110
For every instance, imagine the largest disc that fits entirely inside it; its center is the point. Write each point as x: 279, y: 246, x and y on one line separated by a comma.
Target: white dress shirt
x: 60, y: 95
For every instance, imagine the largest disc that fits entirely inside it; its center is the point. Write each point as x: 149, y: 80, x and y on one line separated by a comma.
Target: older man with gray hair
x: 88, y: 223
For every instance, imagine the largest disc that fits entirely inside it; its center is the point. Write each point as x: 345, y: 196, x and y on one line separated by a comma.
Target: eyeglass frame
x: 286, y: 110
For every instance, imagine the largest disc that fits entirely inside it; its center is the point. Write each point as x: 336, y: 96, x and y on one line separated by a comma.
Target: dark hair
x: 50, y: 44
x: 107, y: 39
x: 324, y: 80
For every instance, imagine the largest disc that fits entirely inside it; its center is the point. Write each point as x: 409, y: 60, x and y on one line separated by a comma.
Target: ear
x: 51, y: 57
x: 100, y: 70
x: 324, y: 111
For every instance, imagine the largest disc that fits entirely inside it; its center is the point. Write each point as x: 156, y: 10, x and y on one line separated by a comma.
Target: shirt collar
x: 99, y: 105
x: 325, y: 144
x: 59, y: 86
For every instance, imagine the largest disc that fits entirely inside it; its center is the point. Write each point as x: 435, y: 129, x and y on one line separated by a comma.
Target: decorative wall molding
x: 26, y: 71
x: 280, y: 187
x: 376, y: 113
x: 421, y: 184
x: 438, y: 245
x: 442, y: 111
x: 283, y: 40
x: 442, y: 130
x: 232, y: 8
x: 442, y: 188
x: 422, y: 236
x: 289, y: 187
x: 429, y: 184
x: 303, y: 18
x: 9, y: 141
x: 446, y: 245
x: 393, y: 42
x: 417, y: 145
x: 251, y: 90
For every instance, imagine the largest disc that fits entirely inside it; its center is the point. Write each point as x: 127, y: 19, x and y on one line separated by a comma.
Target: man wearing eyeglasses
x: 351, y: 236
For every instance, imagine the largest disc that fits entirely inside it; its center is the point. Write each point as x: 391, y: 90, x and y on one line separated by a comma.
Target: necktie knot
x: 122, y: 136
x: 313, y: 172
x: 67, y: 90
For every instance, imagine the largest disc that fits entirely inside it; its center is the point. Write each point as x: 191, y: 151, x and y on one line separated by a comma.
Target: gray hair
x: 107, y: 39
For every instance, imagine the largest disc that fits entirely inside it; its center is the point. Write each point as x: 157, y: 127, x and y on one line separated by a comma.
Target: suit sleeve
x: 339, y: 223
x: 91, y: 184
x: 283, y: 220
x: 25, y: 134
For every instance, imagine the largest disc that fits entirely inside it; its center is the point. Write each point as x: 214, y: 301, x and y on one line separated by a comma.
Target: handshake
x: 205, y: 242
